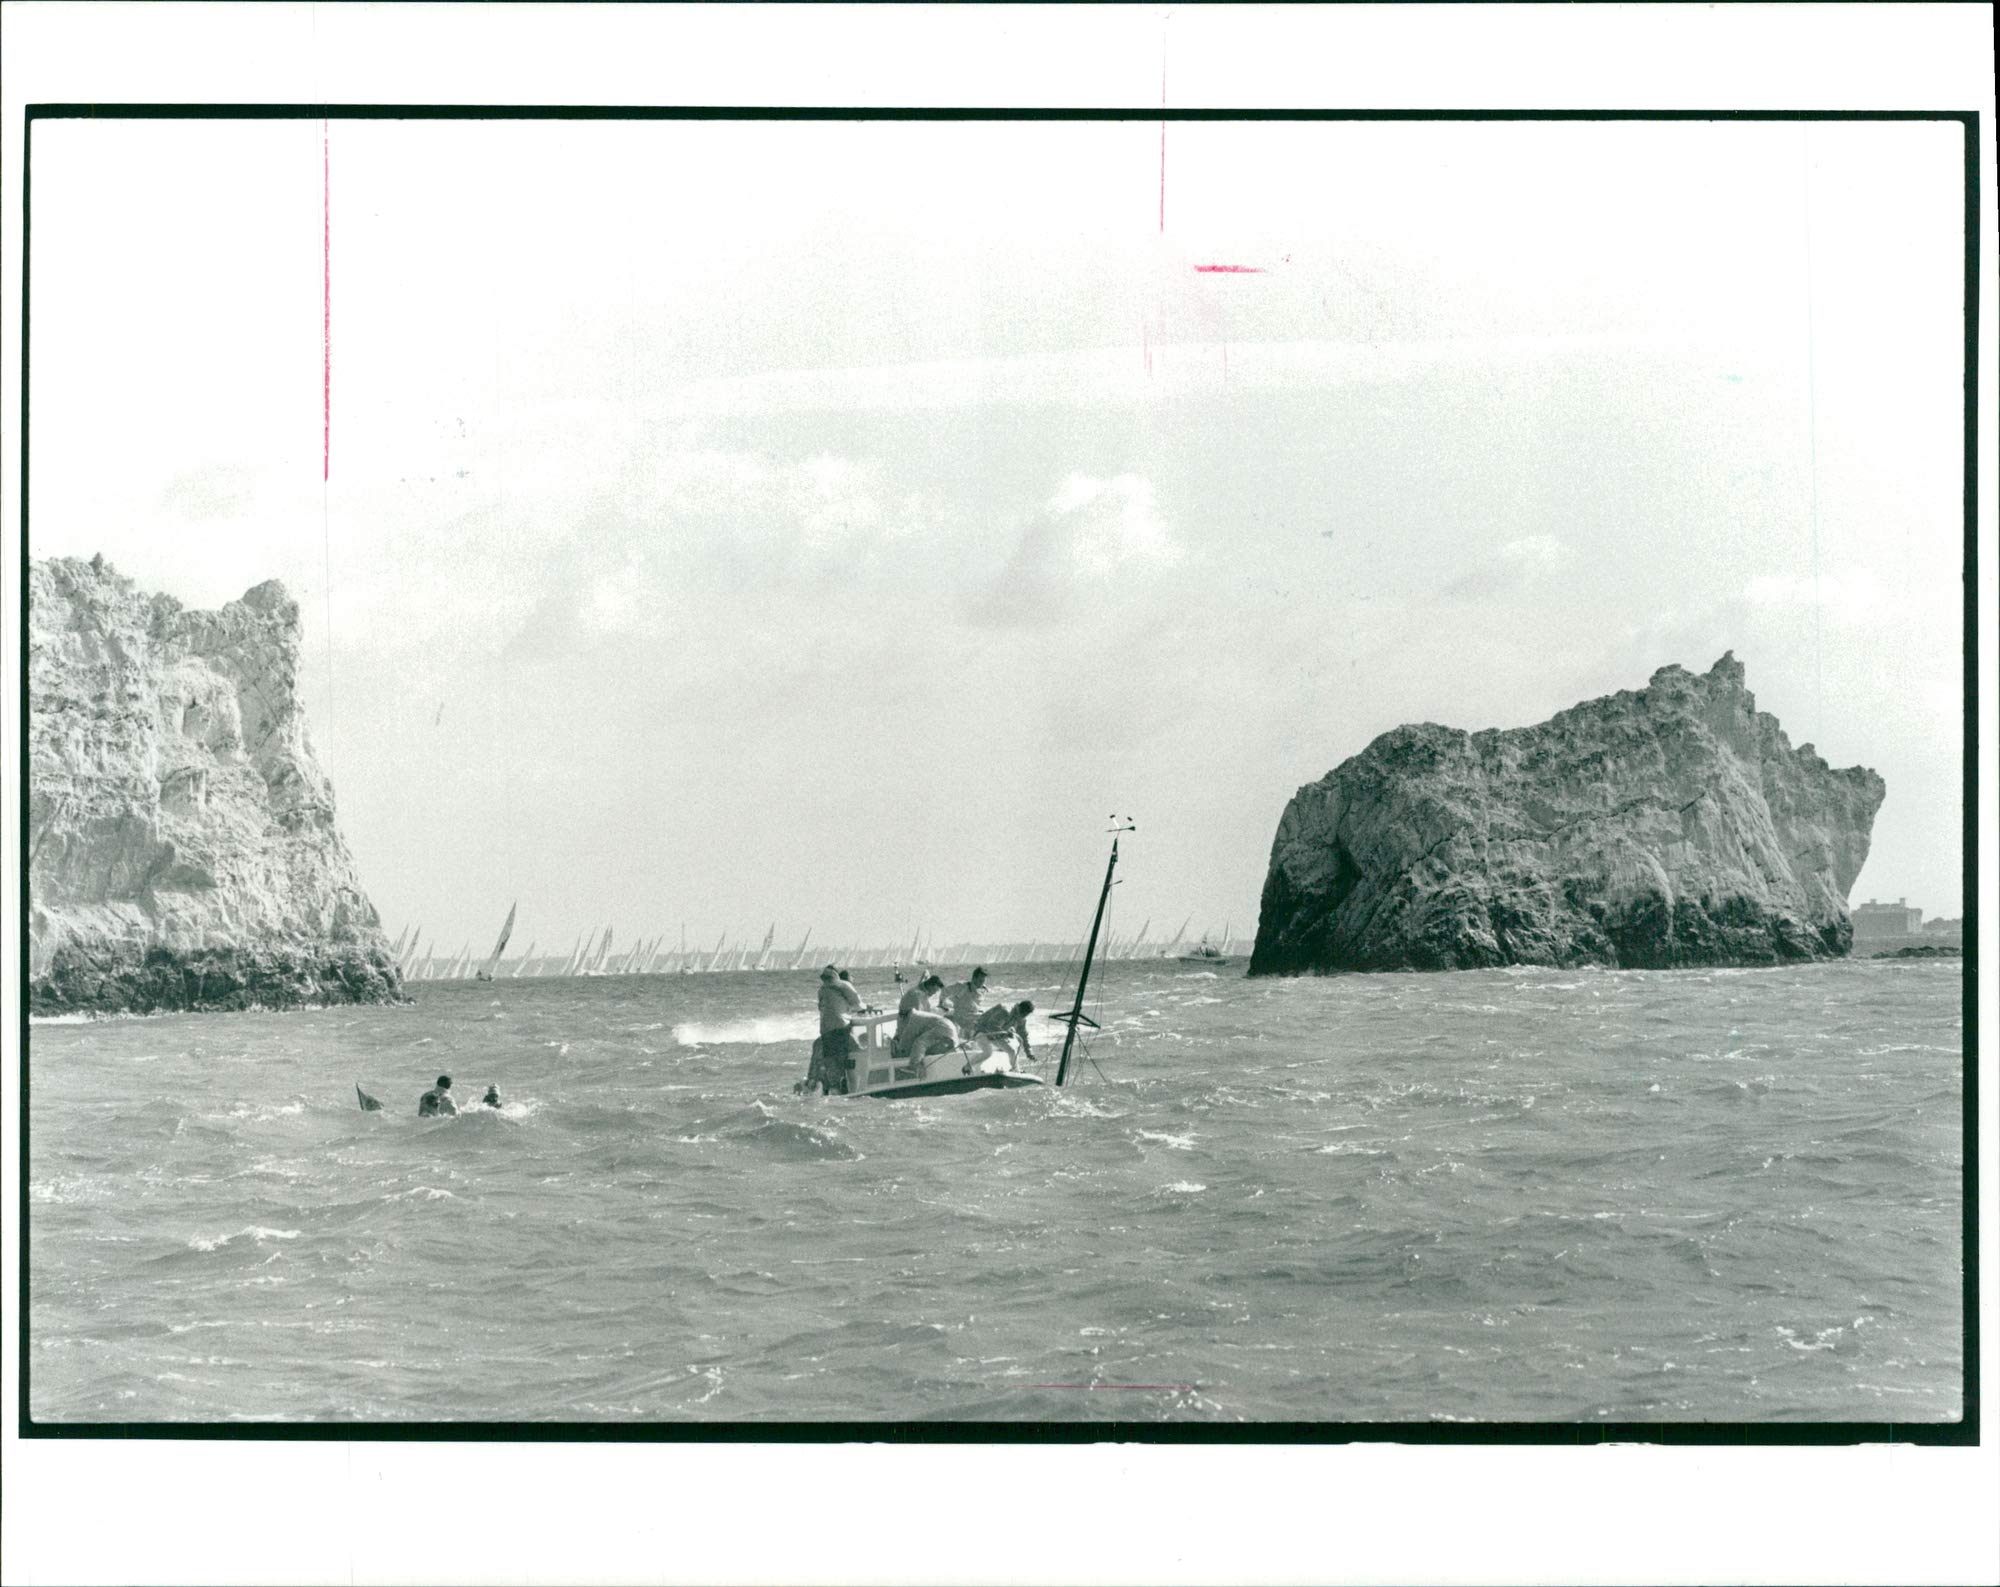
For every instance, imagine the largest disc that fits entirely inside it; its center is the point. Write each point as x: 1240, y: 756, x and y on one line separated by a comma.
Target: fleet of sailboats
x: 592, y: 954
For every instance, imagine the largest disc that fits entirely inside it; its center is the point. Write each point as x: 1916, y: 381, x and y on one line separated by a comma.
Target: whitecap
x: 759, y: 1031
x: 256, y: 1232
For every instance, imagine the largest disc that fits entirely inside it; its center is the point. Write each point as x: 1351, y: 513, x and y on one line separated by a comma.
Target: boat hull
x: 953, y: 1085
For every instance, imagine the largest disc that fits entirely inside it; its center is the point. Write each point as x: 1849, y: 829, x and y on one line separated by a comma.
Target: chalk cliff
x: 182, y: 852
x: 1671, y: 825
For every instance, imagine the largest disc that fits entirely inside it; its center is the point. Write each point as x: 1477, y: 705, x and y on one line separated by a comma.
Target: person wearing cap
x: 833, y: 1053
x: 437, y: 1101
x: 961, y: 1000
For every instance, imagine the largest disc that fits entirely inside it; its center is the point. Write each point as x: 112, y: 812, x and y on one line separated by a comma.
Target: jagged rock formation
x: 182, y: 852
x: 1672, y: 825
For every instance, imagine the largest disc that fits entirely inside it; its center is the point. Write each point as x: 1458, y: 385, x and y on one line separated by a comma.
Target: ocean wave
x: 255, y: 1232
x: 799, y: 1142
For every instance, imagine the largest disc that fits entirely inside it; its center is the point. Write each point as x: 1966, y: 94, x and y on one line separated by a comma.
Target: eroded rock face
x: 182, y: 851
x: 1672, y: 825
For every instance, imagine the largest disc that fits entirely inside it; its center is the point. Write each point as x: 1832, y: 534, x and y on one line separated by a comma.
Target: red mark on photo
x: 325, y: 307
x: 1229, y: 270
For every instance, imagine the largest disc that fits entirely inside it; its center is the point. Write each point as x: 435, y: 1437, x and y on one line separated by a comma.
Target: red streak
x: 326, y: 309
x: 1229, y: 270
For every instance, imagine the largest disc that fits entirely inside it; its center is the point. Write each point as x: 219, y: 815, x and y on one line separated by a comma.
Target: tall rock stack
x: 182, y: 851
x: 1672, y: 825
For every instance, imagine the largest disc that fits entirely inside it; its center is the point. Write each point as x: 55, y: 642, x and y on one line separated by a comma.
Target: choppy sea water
x: 1520, y: 1194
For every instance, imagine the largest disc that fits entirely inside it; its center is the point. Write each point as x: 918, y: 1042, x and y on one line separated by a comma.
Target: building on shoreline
x: 1879, y: 926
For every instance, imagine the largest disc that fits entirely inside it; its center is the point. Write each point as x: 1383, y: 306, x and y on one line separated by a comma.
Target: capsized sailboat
x: 979, y: 1066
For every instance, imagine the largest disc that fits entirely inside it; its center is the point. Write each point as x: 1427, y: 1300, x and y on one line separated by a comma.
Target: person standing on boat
x: 920, y: 1029
x: 961, y: 1000
x: 838, y: 1002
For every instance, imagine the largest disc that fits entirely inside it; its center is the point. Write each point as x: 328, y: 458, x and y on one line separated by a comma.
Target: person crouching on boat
x: 833, y: 1053
x: 437, y: 1102
x: 920, y: 1029
x: 998, y: 1028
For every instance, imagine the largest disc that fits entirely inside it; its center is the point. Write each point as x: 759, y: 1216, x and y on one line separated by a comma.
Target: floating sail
x: 368, y: 1103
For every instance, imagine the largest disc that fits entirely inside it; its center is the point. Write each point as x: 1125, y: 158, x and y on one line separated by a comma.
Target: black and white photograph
x: 1142, y: 770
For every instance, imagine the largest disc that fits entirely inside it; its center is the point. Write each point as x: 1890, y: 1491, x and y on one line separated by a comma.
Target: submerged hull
x: 953, y: 1085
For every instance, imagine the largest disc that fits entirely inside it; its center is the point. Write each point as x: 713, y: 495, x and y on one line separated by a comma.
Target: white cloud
x: 1111, y: 523
x: 1519, y: 565
x: 1847, y: 597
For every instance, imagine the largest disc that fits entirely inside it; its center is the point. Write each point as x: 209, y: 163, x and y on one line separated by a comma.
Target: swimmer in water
x: 437, y: 1102
x: 492, y: 1097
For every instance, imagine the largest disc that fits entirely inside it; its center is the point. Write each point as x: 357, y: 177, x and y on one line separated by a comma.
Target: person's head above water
x: 492, y: 1093
x: 444, y: 1082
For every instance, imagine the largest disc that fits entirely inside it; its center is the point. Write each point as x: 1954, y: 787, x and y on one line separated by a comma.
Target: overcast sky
x: 829, y: 524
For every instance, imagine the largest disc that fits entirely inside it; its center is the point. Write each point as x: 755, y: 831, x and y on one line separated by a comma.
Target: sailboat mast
x: 1083, y: 976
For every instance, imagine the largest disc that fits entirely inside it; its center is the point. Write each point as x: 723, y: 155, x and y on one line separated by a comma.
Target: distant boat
x: 500, y: 947
x: 1206, y: 952
x: 522, y: 963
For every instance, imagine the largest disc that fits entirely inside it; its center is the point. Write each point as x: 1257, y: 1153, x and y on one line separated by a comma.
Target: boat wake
x: 761, y: 1031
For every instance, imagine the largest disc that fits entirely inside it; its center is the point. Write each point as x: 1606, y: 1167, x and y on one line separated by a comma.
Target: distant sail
x: 500, y: 947
x: 522, y: 963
